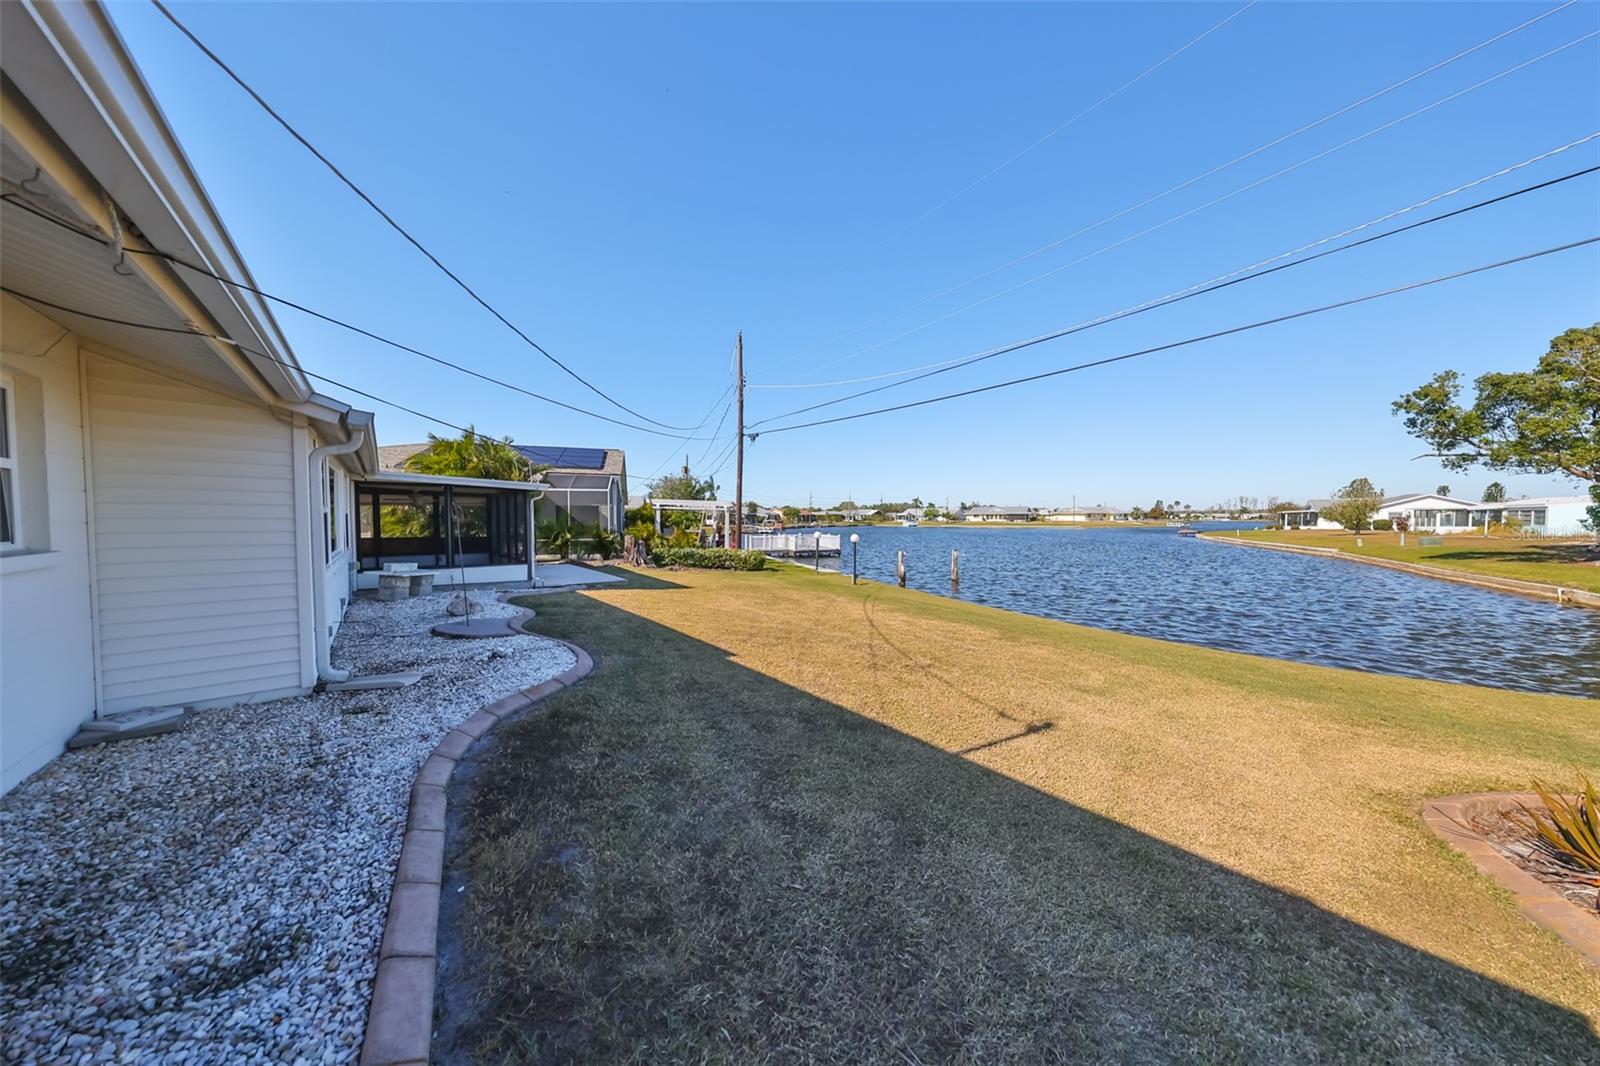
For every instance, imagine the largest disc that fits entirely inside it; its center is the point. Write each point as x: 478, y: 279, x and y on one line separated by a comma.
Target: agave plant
x: 1567, y: 830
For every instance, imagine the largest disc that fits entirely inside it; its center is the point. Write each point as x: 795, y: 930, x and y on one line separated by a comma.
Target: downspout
x: 319, y: 567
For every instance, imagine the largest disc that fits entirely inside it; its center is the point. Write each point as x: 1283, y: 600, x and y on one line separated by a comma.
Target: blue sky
x: 633, y: 184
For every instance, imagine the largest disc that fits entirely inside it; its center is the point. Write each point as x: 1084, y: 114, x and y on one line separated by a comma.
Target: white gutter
x: 319, y: 567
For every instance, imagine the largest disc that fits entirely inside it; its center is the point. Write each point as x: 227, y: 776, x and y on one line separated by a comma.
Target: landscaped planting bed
x: 218, y: 894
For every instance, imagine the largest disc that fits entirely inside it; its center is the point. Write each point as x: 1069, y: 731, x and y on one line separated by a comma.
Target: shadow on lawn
x: 1532, y: 553
x: 684, y: 859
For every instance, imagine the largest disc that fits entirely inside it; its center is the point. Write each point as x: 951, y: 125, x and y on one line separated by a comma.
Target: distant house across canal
x: 999, y: 514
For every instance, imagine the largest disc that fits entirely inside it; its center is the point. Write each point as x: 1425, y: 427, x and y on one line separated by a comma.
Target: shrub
x: 1382, y: 525
x: 709, y: 558
x: 555, y: 537
x: 605, y: 543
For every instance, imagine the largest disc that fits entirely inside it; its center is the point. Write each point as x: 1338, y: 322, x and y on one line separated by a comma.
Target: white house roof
x: 999, y: 510
x: 1413, y: 497
x: 1534, y: 501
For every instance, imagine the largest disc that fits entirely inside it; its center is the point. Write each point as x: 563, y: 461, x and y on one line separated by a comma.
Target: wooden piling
x: 955, y: 567
x: 900, y: 566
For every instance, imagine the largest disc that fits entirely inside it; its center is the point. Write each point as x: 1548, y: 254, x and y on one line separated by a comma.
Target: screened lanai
x: 481, y: 529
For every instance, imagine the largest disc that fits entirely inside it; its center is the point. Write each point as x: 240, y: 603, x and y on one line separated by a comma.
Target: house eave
x: 70, y: 64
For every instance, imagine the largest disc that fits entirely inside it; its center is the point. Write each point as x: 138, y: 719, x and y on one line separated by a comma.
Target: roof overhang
x: 419, y: 481
x: 77, y: 109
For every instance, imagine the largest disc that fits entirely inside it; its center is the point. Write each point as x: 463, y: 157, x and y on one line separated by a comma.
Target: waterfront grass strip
x: 1559, y: 564
x: 791, y: 819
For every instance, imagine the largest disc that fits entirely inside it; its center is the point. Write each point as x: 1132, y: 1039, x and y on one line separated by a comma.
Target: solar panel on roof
x: 567, y: 458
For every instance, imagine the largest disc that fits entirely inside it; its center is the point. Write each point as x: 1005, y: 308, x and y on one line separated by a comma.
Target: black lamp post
x: 855, y: 553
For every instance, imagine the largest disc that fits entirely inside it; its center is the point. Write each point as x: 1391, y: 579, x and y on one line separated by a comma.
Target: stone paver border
x: 400, y: 1018
x: 1451, y: 820
x: 1559, y: 593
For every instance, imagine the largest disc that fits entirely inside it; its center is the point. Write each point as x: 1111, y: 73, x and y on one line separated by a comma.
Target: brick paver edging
x: 400, y: 1019
x: 1559, y: 593
x: 1451, y: 820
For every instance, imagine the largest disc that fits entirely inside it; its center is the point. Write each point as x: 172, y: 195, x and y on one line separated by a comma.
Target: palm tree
x: 474, y: 455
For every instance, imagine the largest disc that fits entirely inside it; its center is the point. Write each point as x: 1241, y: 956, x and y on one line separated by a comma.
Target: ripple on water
x: 1153, y: 583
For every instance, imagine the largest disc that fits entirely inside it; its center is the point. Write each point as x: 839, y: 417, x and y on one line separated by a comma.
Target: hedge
x: 1382, y: 525
x: 710, y: 558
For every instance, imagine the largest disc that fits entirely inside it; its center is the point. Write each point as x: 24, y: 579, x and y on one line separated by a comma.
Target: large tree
x: 1494, y: 492
x: 1540, y: 421
x: 1353, y: 505
x: 473, y: 455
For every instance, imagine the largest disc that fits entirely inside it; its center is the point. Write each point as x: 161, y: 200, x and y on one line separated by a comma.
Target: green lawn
x: 788, y: 819
x: 1563, y: 563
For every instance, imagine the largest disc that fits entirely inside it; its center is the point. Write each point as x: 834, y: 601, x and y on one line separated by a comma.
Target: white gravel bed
x: 218, y: 894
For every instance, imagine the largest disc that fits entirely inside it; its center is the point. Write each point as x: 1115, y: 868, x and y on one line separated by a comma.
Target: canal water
x: 1152, y: 582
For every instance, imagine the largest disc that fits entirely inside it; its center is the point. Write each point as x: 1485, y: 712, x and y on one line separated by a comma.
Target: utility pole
x: 738, y: 469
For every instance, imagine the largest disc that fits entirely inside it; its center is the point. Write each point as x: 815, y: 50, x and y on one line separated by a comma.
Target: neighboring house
x: 588, y: 484
x: 1307, y: 517
x: 1428, y: 512
x: 998, y: 514
x: 910, y: 514
x: 1551, y: 516
x: 1098, y: 513
x: 177, y: 513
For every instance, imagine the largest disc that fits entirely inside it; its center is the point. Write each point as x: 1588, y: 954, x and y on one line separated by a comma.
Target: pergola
x: 718, y: 510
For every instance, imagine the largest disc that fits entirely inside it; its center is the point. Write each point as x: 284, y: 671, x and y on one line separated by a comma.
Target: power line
x: 1330, y: 116
x: 156, y: 253
x: 415, y: 243
x: 1162, y: 300
x: 243, y: 348
x: 1195, y: 210
x: 684, y: 440
x: 1107, y: 98
x: 1185, y: 295
x: 1183, y: 343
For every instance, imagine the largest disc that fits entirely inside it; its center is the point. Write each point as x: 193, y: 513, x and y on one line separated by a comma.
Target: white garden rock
x: 218, y: 894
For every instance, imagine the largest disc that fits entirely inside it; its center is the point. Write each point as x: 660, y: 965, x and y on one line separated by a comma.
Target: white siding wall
x: 46, y: 659
x: 195, y: 543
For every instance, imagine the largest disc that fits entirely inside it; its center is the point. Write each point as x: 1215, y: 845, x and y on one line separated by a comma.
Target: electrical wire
x: 1170, y: 297
x: 191, y: 332
x: 1409, y: 287
x: 1185, y: 295
x: 1307, y: 127
x: 733, y: 357
x: 684, y: 440
x: 1208, y: 204
x: 370, y: 202
x: 1107, y: 98
x: 156, y: 253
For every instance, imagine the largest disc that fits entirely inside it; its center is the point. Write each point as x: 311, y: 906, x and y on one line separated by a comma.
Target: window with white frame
x: 333, y: 511
x: 10, y: 521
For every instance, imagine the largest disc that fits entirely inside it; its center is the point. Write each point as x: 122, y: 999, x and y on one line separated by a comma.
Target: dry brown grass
x: 792, y: 819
